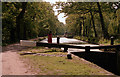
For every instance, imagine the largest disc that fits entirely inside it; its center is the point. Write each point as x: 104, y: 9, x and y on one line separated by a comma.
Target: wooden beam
x: 77, y: 47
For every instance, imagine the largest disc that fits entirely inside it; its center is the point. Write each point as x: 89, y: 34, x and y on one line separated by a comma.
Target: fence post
x: 69, y: 56
x: 65, y: 49
x: 112, y: 40
x: 118, y: 60
x: 87, y: 48
x: 58, y: 40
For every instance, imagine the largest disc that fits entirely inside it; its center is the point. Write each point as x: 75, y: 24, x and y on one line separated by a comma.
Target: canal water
x: 64, y: 40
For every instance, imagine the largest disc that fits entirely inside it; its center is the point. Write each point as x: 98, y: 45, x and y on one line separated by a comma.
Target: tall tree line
x: 25, y: 20
x: 92, y: 19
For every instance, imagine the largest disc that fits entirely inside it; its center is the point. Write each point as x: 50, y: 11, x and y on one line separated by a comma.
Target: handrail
x: 105, y: 47
x: 78, y: 47
x: 58, y: 45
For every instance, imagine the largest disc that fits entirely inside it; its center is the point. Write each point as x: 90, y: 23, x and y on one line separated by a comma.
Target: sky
x: 61, y: 17
x: 53, y: 1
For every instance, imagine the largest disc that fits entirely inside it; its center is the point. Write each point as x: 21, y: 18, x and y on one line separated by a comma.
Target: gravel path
x: 11, y: 62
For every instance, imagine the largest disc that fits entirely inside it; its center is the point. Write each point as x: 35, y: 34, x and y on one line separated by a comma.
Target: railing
x: 87, y: 48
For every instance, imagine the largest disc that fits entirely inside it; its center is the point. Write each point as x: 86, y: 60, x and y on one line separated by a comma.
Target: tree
x: 104, y: 29
x: 19, y: 20
x: 99, y: 14
x: 26, y: 20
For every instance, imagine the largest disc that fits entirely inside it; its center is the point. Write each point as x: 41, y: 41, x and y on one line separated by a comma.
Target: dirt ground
x: 11, y: 63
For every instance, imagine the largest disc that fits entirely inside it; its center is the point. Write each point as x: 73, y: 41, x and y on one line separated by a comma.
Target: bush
x: 97, y: 40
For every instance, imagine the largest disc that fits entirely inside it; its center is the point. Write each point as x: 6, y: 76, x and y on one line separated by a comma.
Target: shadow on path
x: 103, y: 59
x: 14, y: 48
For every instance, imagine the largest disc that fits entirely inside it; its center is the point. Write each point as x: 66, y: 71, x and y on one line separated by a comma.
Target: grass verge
x: 47, y: 65
x: 56, y: 65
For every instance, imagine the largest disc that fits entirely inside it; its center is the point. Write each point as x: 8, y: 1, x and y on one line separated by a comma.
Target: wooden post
x: 69, y: 56
x: 118, y: 60
x: 58, y: 40
x: 112, y: 40
x: 65, y: 49
x: 87, y: 48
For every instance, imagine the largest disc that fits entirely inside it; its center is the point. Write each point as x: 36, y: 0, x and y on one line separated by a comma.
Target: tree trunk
x: 92, y: 18
x: 104, y: 29
x: 118, y: 32
x: 25, y: 33
x: 83, y: 28
x: 86, y: 30
x: 19, y: 20
x: 12, y: 35
x: 80, y: 29
x: 89, y: 29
